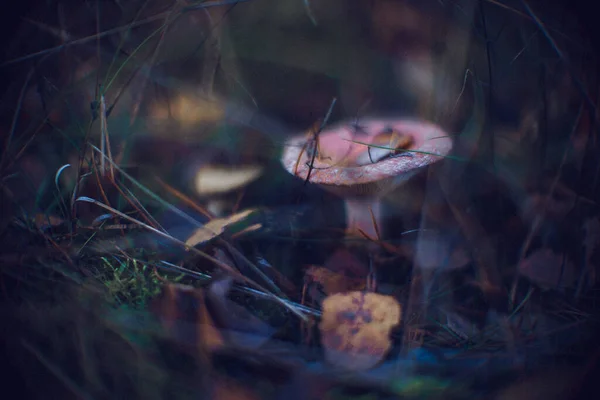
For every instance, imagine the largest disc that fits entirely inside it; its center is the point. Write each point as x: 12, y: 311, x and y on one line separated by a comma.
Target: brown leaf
x: 549, y: 270
x: 44, y: 222
x: 184, y: 316
x: 333, y: 282
x: 344, y: 262
x: 218, y: 226
x: 240, y: 326
x: 229, y: 389
x: 355, y: 328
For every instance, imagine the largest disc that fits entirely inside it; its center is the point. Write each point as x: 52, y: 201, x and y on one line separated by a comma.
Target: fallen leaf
x: 553, y: 202
x: 344, y: 262
x: 218, y: 226
x: 240, y: 327
x: 44, y: 222
x: 229, y: 389
x: 549, y: 270
x: 182, y: 311
x: 333, y: 282
x: 355, y: 328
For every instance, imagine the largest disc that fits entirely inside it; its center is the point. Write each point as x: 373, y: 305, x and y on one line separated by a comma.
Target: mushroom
x: 363, y: 162
x: 216, y: 181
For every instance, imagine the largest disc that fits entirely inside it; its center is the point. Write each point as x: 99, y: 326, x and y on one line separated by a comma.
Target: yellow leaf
x: 216, y: 227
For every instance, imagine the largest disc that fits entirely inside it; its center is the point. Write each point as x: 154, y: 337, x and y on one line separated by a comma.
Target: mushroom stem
x: 358, y: 215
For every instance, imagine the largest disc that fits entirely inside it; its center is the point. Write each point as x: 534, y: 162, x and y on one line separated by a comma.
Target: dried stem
x: 363, y: 214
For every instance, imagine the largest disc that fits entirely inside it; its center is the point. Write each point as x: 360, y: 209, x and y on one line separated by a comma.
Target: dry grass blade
x: 189, y: 202
x: 220, y: 264
x: 109, y: 32
x: 181, y: 214
x: 104, y: 140
x: 215, y: 228
x: 151, y: 194
x: 314, y: 142
x: 167, y: 266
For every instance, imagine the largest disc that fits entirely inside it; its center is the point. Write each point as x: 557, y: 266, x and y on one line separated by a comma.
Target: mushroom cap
x: 341, y: 167
x: 215, y: 179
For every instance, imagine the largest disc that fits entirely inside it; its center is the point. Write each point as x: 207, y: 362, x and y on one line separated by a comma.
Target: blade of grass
x: 109, y: 32
x: 407, y: 150
x: 217, y: 262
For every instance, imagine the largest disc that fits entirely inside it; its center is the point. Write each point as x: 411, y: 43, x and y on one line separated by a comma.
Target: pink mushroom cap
x: 341, y: 167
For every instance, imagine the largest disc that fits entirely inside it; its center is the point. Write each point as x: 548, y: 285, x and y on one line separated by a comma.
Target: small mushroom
x: 362, y: 162
x: 217, y: 181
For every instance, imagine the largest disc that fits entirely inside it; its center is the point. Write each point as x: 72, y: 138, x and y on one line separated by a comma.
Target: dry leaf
x: 342, y: 272
x: 333, y: 282
x: 240, y: 327
x: 44, y: 222
x: 217, y: 226
x: 355, y: 328
x: 183, y: 314
x: 229, y: 389
x: 553, y: 206
x: 549, y: 270
x: 344, y: 262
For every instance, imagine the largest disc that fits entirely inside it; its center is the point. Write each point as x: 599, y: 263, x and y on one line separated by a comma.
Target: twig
x: 315, y: 140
